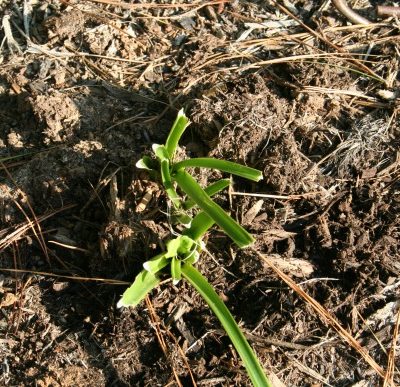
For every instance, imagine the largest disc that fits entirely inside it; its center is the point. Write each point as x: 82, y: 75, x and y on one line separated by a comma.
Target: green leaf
x: 232, y: 228
x: 176, y: 272
x: 180, y: 245
x: 211, y: 190
x: 250, y: 361
x: 222, y: 165
x: 146, y: 162
x: 156, y: 264
x: 172, y: 247
x: 144, y: 283
x: 201, y: 223
x: 193, y: 257
x: 180, y: 217
x: 186, y: 244
x: 179, y: 126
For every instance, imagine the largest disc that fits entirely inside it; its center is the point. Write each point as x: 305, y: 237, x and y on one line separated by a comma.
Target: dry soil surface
x: 298, y: 92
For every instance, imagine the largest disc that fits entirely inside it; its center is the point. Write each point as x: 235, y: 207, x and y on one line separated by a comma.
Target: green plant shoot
x: 184, y: 250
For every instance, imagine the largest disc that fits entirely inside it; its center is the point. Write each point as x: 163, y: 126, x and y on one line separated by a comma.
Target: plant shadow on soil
x: 79, y: 319
x: 75, y: 150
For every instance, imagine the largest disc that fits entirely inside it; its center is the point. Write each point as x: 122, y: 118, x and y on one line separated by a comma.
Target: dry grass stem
x: 156, y: 324
x: 195, y: 4
x: 278, y: 197
x: 107, y: 281
x: 356, y: 62
x: 13, y: 234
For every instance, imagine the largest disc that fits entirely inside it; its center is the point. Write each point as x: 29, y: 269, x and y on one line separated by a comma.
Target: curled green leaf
x: 147, y: 162
x: 160, y: 151
x: 179, y: 126
x: 180, y: 245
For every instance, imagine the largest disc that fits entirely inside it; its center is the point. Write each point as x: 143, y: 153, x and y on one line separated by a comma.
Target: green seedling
x: 183, y: 251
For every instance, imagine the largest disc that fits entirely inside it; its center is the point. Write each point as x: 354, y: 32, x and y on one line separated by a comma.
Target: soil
x: 86, y: 87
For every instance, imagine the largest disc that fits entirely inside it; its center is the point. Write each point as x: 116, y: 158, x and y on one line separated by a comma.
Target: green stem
x: 250, y: 361
x: 201, y: 223
x: 167, y: 182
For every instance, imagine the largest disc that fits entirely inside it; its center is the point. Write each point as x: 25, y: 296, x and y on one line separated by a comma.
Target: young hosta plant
x: 184, y: 250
